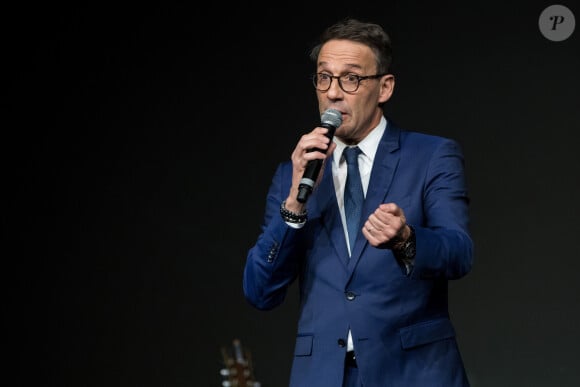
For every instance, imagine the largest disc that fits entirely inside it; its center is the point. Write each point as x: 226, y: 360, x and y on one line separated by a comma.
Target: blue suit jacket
x: 399, y: 321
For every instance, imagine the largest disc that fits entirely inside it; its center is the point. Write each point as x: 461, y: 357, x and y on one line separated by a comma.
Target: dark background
x: 141, y: 140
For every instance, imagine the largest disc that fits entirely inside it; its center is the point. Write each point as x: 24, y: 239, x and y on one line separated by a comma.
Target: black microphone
x: 330, y: 119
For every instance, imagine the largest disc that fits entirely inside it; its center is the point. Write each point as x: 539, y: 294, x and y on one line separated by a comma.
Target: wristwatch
x: 407, y: 249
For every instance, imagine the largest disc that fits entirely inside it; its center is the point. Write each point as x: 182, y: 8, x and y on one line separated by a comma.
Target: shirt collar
x: 368, y: 145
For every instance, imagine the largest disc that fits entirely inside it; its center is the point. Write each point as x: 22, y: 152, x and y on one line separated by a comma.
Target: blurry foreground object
x: 238, y: 369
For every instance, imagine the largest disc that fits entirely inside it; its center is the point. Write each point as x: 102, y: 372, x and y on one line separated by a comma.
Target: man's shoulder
x: 424, y: 136
x: 416, y: 141
x: 414, y: 134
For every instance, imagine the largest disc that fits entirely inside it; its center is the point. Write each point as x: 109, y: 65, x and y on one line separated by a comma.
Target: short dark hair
x: 369, y: 34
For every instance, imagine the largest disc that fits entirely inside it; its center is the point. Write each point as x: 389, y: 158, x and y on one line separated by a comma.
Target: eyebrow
x: 349, y: 66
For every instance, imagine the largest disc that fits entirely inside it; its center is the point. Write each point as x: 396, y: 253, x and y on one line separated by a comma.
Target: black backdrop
x: 142, y: 140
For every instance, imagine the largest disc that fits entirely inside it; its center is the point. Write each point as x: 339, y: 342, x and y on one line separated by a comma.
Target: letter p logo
x: 557, y: 20
x: 556, y: 23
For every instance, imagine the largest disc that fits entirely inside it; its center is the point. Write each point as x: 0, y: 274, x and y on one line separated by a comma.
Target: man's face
x: 360, y: 109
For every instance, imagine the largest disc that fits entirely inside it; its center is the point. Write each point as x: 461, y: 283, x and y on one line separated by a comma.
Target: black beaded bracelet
x: 292, y: 217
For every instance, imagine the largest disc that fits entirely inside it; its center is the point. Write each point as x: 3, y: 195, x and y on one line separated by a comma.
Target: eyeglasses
x: 347, y: 82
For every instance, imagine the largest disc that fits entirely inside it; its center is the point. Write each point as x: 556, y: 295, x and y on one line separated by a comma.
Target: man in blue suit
x: 373, y: 309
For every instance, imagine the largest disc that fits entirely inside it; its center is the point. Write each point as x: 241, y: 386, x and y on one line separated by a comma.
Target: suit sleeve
x: 272, y: 262
x: 444, y: 247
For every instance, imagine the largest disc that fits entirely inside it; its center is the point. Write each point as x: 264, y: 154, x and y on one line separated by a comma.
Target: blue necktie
x: 353, y: 193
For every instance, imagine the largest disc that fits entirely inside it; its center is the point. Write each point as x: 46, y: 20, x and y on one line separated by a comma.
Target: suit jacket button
x: 350, y: 296
x: 341, y: 343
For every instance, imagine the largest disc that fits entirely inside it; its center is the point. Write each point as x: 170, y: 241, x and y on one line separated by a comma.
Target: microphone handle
x: 312, y: 169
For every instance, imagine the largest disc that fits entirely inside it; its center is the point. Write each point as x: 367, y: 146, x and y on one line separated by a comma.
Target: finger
x: 311, y: 146
x: 316, y: 139
x: 390, y: 208
x: 373, y: 236
x: 381, y: 217
x: 375, y: 228
x: 383, y: 231
x: 374, y: 222
x: 331, y: 148
x: 368, y: 232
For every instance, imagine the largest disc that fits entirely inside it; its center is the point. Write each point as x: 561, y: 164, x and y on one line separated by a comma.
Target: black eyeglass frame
x: 358, y: 77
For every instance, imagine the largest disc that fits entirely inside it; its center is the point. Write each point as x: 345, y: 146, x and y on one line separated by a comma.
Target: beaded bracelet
x: 292, y: 217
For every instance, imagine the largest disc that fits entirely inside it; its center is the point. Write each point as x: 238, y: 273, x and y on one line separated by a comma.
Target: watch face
x: 407, y: 250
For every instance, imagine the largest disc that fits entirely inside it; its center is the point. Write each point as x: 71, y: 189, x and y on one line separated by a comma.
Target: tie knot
x: 351, y: 154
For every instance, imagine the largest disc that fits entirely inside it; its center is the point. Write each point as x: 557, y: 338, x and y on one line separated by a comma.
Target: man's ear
x: 387, y: 87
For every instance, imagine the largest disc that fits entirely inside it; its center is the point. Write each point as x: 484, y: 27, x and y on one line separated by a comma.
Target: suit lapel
x: 384, y: 167
x: 328, y: 206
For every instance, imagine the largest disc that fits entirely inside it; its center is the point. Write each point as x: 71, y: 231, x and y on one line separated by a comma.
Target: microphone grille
x: 331, y: 117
